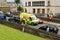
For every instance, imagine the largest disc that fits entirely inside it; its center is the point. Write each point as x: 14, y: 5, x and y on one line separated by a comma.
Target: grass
x: 7, y: 33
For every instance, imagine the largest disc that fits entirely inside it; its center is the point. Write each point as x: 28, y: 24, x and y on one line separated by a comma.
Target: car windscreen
x: 34, y: 18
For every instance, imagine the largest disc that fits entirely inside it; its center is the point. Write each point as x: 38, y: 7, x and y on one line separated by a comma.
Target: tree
x: 19, y: 8
x: 17, y: 2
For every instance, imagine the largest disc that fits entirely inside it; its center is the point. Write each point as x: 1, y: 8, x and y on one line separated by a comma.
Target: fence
x: 33, y: 31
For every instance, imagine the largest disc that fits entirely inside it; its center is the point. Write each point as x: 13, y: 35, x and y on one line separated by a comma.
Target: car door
x: 43, y: 28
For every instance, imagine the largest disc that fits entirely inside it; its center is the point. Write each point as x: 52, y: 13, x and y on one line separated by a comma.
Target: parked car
x: 8, y: 16
x: 52, y: 28
x: 1, y: 15
x: 16, y: 19
x: 40, y: 21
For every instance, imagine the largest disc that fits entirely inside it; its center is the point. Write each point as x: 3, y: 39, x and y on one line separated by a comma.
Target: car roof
x: 50, y: 25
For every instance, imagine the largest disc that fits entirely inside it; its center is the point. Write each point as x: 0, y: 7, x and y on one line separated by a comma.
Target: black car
x: 16, y: 19
x: 9, y: 16
x: 52, y: 28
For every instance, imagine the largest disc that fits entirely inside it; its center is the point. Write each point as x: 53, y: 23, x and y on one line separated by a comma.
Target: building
x: 2, y: 0
x: 8, y: 5
x: 41, y: 6
x: 55, y: 6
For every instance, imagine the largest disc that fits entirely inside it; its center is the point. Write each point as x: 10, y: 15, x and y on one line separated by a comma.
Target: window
x: 48, y: 10
x: 29, y: 3
x: 38, y: 10
x: 48, y: 3
x: 43, y: 11
x: 25, y: 3
x: 25, y: 10
x: 38, y: 3
x: 33, y: 10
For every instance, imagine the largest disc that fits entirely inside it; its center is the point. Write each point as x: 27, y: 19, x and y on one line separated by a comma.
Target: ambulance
x: 28, y: 18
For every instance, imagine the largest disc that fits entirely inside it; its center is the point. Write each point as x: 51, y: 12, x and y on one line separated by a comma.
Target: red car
x: 40, y: 22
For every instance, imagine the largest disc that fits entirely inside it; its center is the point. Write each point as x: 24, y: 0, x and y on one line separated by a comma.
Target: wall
x: 55, y: 2
x: 5, y: 9
x: 30, y: 9
x: 54, y: 8
x: 23, y: 1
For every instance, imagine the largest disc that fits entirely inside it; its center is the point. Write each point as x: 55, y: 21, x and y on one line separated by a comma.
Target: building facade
x: 5, y: 3
x: 6, y: 6
x: 41, y: 6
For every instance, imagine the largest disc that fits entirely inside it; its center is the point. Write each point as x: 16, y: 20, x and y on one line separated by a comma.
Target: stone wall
x: 5, y: 9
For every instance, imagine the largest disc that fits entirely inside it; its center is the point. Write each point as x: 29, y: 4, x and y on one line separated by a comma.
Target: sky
x: 10, y: 0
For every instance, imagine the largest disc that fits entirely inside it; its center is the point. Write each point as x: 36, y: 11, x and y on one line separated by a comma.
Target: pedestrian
x: 48, y: 29
x: 7, y: 18
x: 22, y: 24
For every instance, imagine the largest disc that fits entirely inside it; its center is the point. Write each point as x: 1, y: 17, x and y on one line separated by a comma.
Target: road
x: 56, y: 24
x: 46, y: 23
x: 37, y: 26
x: 52, y: 23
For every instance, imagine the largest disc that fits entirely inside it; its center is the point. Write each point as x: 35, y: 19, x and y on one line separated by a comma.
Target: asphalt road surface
x: 37, y: 26
x: 46, y: 23
x: 56, y: 24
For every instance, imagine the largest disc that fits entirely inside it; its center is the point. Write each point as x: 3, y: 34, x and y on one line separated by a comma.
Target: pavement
x: 52, y: 23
